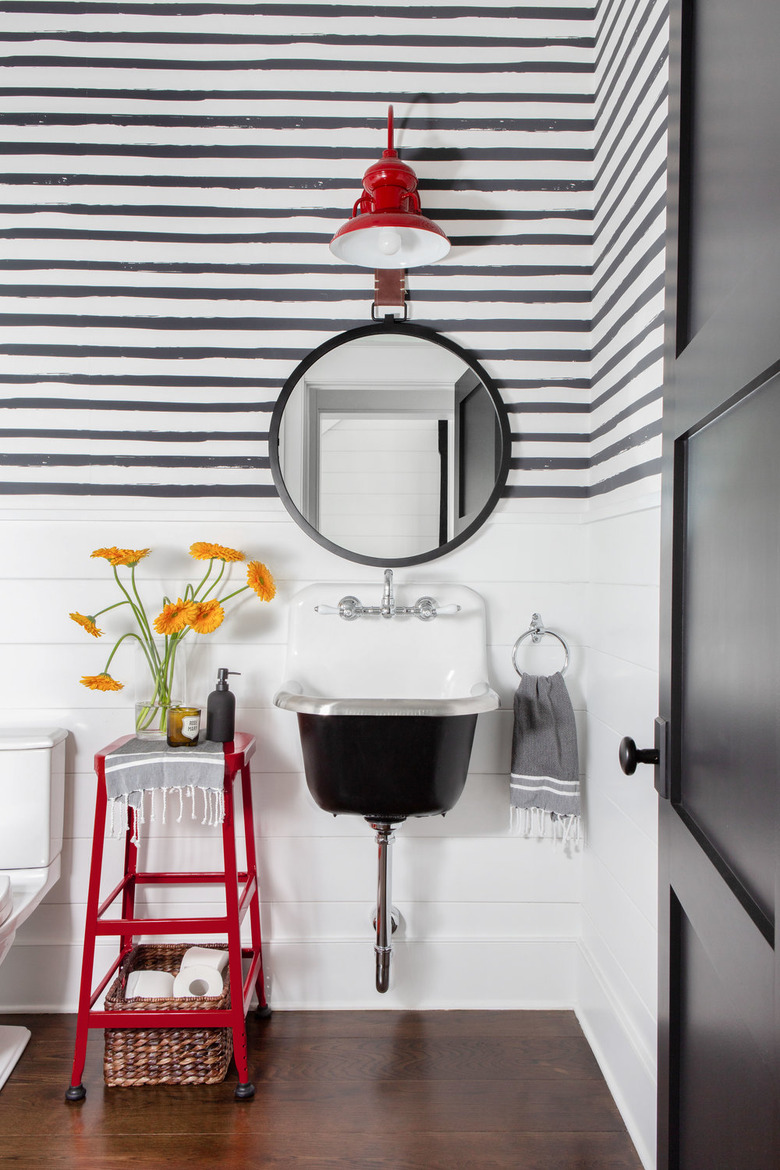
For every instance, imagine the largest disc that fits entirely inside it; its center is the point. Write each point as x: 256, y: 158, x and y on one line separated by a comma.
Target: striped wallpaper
x: 172, y: 174
x: 628, y: 237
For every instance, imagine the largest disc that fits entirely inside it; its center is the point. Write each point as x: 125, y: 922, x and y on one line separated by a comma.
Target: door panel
x: 719, y: 841
x: 735, y: 948
x: 730, y: 671
x: 733, y: 145
x: 721, y: 1077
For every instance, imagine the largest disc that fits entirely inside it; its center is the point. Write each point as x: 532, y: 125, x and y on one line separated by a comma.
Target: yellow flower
x: 174, y: 617
x: 206, y: 616
x: 87, y: 622
x: 207, y: 552
x: 260, y: 579
x: 101, y: 682
x: 122, y: 556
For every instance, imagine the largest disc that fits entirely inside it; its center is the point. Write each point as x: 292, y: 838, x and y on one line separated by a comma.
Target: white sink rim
x: 290, y: 697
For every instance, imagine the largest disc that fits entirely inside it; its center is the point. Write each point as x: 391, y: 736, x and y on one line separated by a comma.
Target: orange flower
x: 206, y: 616
x: 88, y: 623
x: 208, y: 552
x: 258, y: 576
x: 174, y: 617
x: 101, y: 682
x: 122, y: 556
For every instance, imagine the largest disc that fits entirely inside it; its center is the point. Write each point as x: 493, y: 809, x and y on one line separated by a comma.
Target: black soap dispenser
x: 221, y: 710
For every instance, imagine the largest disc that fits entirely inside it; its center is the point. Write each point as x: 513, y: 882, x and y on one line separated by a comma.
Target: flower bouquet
x: 199, y: 609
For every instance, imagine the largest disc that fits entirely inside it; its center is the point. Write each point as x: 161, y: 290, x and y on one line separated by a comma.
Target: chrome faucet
x: 424, y: 608
x: 388, y: 597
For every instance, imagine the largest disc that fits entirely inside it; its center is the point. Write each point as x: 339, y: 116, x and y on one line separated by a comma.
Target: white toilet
x: 32, y: 803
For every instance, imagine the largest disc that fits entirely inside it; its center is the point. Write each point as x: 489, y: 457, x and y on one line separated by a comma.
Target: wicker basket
x: 164, y: 1056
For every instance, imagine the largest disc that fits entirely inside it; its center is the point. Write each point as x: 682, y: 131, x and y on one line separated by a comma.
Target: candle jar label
x: 190, y: 726
x: 183, y: 726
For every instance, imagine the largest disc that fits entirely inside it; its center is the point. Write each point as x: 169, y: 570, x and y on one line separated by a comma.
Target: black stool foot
x: 75, y: 1093
x: 245, y: 1091
x: 263, y: 1012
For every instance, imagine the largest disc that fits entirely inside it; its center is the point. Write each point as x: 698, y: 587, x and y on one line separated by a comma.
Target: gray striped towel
x: 147, y: 766
x: 545, y: 784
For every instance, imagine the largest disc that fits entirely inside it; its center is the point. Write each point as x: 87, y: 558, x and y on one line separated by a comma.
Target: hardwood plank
x: 430, y: 1151
x: 455, y: 1023
x: 344, y: 1024
x: 402, y: 1046
x: 330, y: 1107
x: 464, y: 1058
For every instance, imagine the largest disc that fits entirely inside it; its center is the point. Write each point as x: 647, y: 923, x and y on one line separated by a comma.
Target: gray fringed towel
x: 143, y: 766
x: 545, y: 784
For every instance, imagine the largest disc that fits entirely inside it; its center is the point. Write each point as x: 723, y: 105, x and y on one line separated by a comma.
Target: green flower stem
x: 119, y: 642
x: 109, y: 607
x: 163, y: 678
x: 174, y: 644
x: 215, y: 582
x: 140, y: 613
x: 195, y: 592
x: 243, y: 589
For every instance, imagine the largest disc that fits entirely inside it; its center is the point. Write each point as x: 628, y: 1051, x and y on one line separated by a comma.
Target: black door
x: 476, y: 450
x: 720, y: 647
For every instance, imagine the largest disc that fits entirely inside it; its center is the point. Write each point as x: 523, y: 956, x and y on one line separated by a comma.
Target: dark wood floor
x: 408, y: 1090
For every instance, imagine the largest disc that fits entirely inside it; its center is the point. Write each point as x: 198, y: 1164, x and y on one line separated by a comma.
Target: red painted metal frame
x: 237, y: 903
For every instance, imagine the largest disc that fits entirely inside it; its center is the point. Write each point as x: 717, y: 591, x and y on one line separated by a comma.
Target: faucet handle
x: 348, y: 608
x: 426, y: 609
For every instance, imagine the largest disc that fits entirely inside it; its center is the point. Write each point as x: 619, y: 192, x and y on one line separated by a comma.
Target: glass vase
x: 151, y: 718
x: 160, y: 683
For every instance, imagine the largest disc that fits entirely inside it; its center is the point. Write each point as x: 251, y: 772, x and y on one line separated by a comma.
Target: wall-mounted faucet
x: 388, y: 597
x: 350, y: 608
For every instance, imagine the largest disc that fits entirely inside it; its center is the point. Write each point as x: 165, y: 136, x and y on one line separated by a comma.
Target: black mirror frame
x: 397, y: 327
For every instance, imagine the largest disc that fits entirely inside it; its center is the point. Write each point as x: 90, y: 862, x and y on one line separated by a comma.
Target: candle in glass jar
x: 183, y: 726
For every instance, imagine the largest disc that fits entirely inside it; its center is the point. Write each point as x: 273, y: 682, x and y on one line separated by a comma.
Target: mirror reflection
x: 389, y: 444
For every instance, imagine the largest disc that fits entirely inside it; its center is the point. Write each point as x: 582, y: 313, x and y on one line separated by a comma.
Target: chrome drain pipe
x: 384, y: 923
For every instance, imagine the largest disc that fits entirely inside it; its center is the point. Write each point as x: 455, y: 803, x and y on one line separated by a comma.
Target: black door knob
x: 630, y: 755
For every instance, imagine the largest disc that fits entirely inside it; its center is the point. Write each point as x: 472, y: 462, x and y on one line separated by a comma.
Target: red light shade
x: 387, y: 228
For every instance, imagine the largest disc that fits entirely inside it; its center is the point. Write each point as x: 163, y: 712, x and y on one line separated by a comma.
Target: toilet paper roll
x: 149, y: 985
x: 204, y: 957
x: 197, y: 980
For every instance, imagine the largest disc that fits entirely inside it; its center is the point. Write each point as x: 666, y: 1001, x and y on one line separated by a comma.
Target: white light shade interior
x: 389, y: 241
x: 389, y: 246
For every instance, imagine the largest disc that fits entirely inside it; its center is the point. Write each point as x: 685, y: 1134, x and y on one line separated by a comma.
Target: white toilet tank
x: 32, y: 796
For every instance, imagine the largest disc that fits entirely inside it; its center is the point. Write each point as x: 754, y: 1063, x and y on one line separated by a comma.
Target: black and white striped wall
x: 628, y: 235
x: 172, y: 174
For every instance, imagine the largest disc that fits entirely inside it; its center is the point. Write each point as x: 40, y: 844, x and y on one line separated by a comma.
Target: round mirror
x: 389, y: 445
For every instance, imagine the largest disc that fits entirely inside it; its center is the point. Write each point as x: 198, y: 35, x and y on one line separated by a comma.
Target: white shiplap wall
x: 487, y: 919
x: 617, y: 976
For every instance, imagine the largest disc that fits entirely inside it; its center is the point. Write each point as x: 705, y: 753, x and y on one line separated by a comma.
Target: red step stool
x: 237, y: 902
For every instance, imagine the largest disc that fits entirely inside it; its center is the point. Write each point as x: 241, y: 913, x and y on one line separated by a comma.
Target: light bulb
x: 389, y: 242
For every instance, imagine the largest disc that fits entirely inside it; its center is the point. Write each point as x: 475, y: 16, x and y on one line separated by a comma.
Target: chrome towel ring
x: 536, y: 631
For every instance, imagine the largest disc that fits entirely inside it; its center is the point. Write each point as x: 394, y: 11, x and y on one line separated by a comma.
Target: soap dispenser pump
x: 221, y: 710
